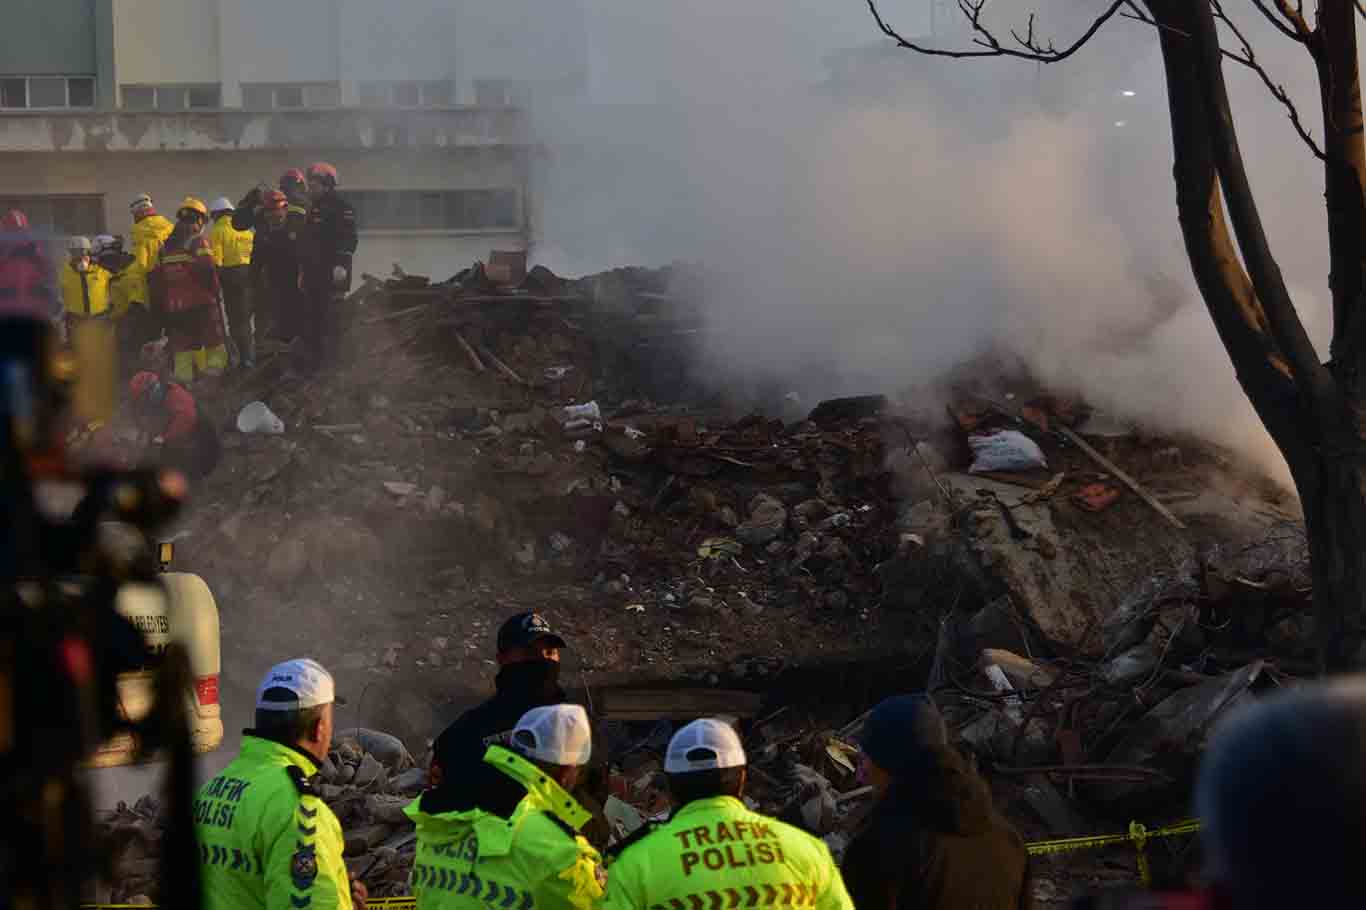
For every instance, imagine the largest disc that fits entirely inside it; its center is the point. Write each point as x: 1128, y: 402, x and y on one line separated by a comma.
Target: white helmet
x: 140, y: 202
x: 221, y: 204
x: 78, y: 245
x: 101, y: 243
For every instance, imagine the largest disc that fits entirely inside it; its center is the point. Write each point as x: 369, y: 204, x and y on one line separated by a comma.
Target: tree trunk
x: 1300, y: 404
x: 1333, y: 495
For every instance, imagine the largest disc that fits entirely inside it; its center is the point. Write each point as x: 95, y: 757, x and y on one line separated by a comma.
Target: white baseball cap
x: 310, y: 684
x: 704, y: 745
x: 558, y: 734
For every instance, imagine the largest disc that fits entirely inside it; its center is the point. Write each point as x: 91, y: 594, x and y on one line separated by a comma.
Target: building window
x: 63, y: 215
x: 288, y: 96
x: 46, y: 92
x: 172, y: 97
x: 405, y: 94
x: 439, y: 210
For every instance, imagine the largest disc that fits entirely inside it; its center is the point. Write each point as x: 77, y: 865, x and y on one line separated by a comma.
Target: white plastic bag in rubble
x: 1005, y: 450
x: 255, y: 417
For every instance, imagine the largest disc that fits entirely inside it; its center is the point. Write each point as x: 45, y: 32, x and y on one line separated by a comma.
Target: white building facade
x: 417, y: 103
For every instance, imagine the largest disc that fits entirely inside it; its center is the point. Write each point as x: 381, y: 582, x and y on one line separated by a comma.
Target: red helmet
x: 143, y: 383
x: 292, y: 177
x: 14, y: 220
x: 274, y: 200
x: 324, y: 172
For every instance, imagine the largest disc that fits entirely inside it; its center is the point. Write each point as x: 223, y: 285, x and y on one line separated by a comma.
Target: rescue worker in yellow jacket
x: 266, y: 839
x: 232, y: 254
x: 84, y: 285
x: 714, y: 851
x: 148, y: 233
x: 88, y: 326
x: 522, y: 855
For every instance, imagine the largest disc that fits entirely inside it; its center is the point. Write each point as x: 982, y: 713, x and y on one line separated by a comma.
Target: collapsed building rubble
x: 1085, y: 605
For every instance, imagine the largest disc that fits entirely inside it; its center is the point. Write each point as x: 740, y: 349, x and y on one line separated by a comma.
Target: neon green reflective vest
x: 715, y: 853
x: 534, y: 860
x: 265, y: 840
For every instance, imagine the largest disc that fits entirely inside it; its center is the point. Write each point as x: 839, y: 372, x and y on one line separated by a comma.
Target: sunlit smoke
x: 878, y: 227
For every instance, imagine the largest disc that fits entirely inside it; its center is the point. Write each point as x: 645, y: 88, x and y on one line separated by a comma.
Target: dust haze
x: 879, y: 217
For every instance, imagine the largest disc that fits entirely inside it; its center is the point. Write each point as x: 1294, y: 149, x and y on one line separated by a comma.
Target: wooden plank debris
x: 469, y: 352
x: 1124, y: 478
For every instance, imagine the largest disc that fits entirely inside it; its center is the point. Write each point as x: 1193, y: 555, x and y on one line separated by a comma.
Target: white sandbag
x: 1005, y: 450
x: 255, y: 417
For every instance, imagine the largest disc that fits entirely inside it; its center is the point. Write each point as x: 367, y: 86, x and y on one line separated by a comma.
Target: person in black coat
x: 529, y: 657
x: 933, y: 841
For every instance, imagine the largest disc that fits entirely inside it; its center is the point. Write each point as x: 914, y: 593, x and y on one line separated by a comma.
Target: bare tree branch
x: 1291, y: 32
x: 1029, y: 46
x: 1249, y: 59
x: 1294, y: 16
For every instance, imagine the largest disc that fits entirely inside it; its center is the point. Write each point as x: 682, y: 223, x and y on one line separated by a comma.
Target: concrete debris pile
x: 693, y: 515
x: 131, y: 838
x: 367, y: 780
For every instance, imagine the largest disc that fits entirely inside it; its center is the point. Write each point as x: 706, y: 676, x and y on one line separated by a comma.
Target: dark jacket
x: 461, y: 778
x: 330, y: 240
x: 246, y: 217
x: 935, y: 842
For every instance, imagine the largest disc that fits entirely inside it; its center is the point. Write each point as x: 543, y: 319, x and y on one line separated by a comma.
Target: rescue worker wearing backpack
x: 187, y: 296
x: 520, y: 851
x: 232, y: 255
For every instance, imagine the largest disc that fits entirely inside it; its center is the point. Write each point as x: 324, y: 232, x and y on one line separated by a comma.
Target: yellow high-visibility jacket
x: 716, y: 852
x: 145, y: 240
x: 533, y: 860
x: 266, y: 840
x: 230, y: 246
x: 85, y: 293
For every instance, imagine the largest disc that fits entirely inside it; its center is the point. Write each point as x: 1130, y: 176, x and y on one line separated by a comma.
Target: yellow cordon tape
x: 1138, y: 835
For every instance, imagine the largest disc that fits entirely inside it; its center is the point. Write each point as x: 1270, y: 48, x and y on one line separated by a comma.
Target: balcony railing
x: 342, y: 128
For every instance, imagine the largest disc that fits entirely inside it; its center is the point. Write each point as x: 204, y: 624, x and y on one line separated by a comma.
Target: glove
x: 338, y: 275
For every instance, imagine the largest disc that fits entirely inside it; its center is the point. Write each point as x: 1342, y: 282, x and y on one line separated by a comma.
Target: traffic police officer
x: 520, y: 854
x: 714, y: 849
x: 265, y: 838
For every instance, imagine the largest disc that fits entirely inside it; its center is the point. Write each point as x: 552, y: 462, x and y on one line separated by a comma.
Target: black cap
x: 526, y: 629
x: 904, y: 733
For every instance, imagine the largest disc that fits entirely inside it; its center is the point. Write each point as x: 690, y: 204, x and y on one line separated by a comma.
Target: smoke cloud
x: 878, y: 217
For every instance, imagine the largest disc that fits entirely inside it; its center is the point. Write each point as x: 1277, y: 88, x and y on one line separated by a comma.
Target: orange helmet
x: 14, y: 220
x: 323, y: 172
x: 274, y: 199
x: 143, y: 383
